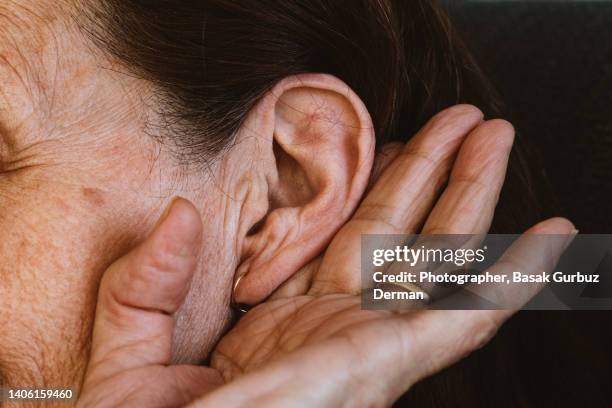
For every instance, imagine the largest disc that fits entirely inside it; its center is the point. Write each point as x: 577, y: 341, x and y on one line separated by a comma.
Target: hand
x: 132, y: 335
x: 311, y: 345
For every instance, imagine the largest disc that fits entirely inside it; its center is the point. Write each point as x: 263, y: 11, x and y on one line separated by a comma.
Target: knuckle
x: 437, y: 229
x: 163, y: 259
x: 414, y: 154
x: 370, y: 222
x: 157, y: 261
x: 130, y: 280
x: 471, y: 187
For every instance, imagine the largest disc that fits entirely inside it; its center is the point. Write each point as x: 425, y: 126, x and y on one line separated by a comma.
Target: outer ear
x: 321, y: 138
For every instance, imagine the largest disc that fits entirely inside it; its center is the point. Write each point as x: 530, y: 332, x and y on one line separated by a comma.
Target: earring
x: 239, y: 308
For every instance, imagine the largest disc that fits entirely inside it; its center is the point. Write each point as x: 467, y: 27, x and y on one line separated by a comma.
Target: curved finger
x: 378, y: 360
x: 139, y: 293
x: 456, y: 333
x: 406, y: 190
x: 468, y: 202
x: 400, y: 199
x: 431, y: 340
x: 387, y: 154
x: 538, y: 250
x: 300, y: 282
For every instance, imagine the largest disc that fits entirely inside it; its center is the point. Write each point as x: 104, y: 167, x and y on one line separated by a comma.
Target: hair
x: 211, y: 60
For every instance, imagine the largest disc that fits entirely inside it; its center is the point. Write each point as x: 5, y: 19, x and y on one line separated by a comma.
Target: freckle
x: 94, y: 196
x: 63, y: 205
x: 22, y: 250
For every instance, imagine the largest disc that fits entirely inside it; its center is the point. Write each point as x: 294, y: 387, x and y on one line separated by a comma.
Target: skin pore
x: 83, y: 181
x: 86, y: 171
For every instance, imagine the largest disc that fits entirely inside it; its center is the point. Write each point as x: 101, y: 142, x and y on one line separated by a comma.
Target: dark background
x: 552, y: 64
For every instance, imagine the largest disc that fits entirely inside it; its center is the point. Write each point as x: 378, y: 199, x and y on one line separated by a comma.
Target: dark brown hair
x: 211, y: 60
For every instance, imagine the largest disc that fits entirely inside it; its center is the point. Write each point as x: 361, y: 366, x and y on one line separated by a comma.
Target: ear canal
x: 293, y: 188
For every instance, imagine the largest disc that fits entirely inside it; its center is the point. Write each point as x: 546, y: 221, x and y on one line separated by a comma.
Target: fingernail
x: 570, y: 238
x: 165, y: 213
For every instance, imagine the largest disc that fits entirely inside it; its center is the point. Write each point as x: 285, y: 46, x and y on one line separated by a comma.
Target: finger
x: 400, y: 199
x: 455, y: 333
x: 425, y: 342
x: 390, y: 354
x: 538, y: 250
x: 468, y: 203
x: 301, y: 281
x: 140, y: 292
x: 406, y: 190
x: 387, y: 154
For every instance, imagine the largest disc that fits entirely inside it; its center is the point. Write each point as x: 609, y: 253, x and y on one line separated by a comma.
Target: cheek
x: 93, y: 196
x: 52, y: 261
x: 47, y: 297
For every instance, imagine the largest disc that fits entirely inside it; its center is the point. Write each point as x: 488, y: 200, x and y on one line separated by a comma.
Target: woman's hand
x: 312, y: 344
x: 129, y: 365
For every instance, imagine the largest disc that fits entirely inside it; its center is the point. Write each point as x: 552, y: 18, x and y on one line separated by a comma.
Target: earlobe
x: 322, y: 144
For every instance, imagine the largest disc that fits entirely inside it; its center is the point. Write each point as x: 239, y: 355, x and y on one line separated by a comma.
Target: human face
x: 82, y: 181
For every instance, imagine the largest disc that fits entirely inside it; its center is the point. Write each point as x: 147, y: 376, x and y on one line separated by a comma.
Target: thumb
x: 140, y: 292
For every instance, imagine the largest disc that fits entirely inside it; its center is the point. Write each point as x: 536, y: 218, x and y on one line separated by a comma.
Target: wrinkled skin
x: 311, y: 344
x: 80, y: 185
x: 83, y: 185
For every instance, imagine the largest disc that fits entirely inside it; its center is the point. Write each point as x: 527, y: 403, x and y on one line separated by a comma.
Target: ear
x: 320, y: 138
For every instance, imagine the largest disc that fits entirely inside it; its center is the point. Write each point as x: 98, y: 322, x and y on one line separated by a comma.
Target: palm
x: 310, y: 342
x: 317, y: 340
x: 319, y: 302
x: 281, y: 326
